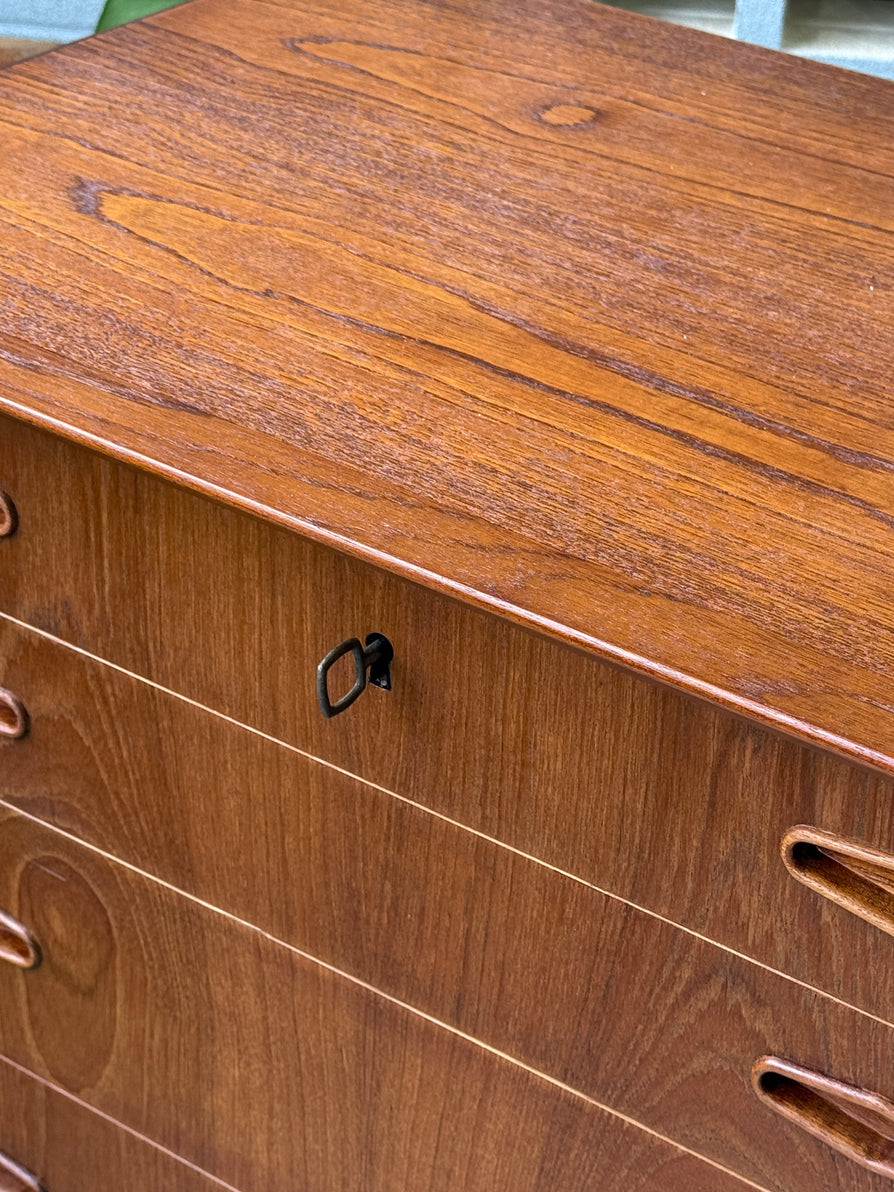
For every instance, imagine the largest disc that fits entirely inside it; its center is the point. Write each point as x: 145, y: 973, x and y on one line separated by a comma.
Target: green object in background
x: 119, y: 12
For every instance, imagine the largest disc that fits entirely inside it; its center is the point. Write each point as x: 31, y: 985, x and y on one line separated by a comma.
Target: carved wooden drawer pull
x: 17, y: 945
x: 13, y: 715
x: 854, y: 1121
x: 9, y: 519
x: 14, y: 1178
x: 853, y: 875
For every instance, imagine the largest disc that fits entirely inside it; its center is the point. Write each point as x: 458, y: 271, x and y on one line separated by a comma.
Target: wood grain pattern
x: 271, y: 1072
x: 619, y: 373
x: 621, y: 1007
x: 657, y: 797
x: 75, y: 1150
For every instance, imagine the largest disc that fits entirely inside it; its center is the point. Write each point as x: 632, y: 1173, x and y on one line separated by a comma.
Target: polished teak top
x: 577, y: 315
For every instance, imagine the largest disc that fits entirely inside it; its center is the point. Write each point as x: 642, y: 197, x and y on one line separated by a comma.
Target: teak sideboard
x: 446, y: 607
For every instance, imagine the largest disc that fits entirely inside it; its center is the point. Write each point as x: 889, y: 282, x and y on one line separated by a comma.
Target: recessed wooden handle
x: 856, y: 1122
x: 9, y: 519
x: 17, y: 945
x: 14, y: 1178
x: 13, y: 715
x: 853, y: 875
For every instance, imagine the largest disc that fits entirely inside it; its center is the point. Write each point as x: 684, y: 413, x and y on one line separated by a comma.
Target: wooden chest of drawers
x: 501, y: 335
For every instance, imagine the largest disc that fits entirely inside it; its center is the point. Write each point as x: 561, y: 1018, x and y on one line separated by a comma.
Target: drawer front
x: 69, y: 1148
x: 272, y: 1072
x: 145, y: 1005
x: 662, y: 799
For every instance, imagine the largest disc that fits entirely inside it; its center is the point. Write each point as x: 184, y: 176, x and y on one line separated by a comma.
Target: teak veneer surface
x: 272, y: 1072
x: 666, y: 800
x: 621, y: 1007
x: 641, y: 1016
x: 578, y: 315
x: 355, y: 877
x: 72, y: 1149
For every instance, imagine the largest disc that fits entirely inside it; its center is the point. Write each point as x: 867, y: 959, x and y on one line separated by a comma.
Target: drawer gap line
x: 395, y: 1001
x: 557, y: 630
x: 120, y: 1125
x: 405, y: 1006
x: 401, y: 799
